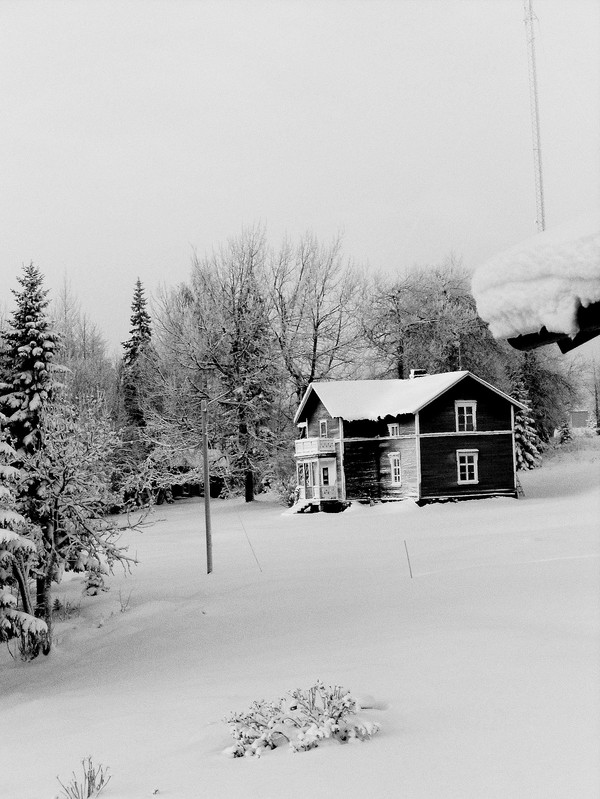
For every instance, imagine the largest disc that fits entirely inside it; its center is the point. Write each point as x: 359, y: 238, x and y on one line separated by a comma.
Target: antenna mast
x: 535, y: 116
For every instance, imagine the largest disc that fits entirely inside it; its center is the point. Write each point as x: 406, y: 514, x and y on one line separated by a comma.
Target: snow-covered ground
x: 487, y: 660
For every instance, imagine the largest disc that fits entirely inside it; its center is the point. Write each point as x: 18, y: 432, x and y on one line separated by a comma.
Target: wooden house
x: 430, y: 437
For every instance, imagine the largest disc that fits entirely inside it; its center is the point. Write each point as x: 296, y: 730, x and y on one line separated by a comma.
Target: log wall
x: 493, y: 411
x: 368, y: 469
x: 439, y: 474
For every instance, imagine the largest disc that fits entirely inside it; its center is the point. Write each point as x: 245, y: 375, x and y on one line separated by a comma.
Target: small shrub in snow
x: 63, y: 611
x: 565, y: 434
x: 124, y: 601
x: 93, y: 781
x: 302, y: 719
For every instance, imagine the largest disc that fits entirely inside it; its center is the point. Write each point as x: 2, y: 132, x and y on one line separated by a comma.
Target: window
x: 396, y: 468
x: 323, y: 428
x: 466, y: 416
x: 393, y: 429
x: 466, y: 462
x: 325, y: 472
x: 304, y: 474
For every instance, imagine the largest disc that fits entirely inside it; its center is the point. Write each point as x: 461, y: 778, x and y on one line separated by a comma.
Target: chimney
x: 414, y: 373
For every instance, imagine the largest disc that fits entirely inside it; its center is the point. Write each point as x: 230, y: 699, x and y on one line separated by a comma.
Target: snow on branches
x: 17, y: 553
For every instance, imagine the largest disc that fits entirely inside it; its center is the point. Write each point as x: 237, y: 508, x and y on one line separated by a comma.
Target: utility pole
x: 535, y: 116
x: 204, y: 403
x: 207, y: 522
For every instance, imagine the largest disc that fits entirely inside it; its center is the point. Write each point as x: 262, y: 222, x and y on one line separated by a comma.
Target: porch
x: 317, y: 480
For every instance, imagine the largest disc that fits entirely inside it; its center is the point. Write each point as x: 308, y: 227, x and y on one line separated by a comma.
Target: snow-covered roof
x: 542, y: 282
x: 375, y: 399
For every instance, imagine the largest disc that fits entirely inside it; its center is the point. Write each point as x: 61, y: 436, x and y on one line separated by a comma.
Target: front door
x: 327, y: 479
x: 306, y: 481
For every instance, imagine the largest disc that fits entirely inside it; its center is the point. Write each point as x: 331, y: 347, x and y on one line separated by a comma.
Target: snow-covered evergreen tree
x: 136, y: 365
x: 28, y: 345
x: 17, y: 552
x: 527, y: 442
x: 141, y: 328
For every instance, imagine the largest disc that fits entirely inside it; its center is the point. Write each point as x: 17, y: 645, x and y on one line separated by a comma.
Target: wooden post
x: 408, y: 559
x: 207, y: 524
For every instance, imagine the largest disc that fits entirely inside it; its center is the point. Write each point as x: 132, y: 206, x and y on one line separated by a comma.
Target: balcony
x: 314, y: 446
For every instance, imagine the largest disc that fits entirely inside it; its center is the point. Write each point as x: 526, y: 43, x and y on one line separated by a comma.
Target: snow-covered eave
x: 303, y: 402
x: 411, y: 409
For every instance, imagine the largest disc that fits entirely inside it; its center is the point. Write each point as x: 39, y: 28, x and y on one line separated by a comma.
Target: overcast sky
x: 134, y: 132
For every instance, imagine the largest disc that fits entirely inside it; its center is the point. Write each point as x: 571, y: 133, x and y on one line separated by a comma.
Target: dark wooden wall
x: 439, y: 469
x: 493, y: 411
x: 365, y: 428
x: 368, y: 469
x: 361, y: 467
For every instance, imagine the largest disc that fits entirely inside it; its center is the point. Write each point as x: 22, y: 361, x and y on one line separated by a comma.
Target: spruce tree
x: 28, y: 346
x: 141, y: 329
x: 135, y: 360
x: 17, y: 552
x: 528, y: 444
x: 27, y: 352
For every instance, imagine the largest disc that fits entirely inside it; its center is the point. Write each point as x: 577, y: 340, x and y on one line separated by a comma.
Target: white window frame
x: 394, y: 430
x: 323, y: 427
x: 464, y: 405
x: 396, y: 468
x: 471, y: 455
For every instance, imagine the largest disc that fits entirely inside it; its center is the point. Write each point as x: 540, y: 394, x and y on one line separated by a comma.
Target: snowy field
x: 486, y: 662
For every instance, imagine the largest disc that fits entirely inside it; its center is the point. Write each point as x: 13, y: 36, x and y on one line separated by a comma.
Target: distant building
x: 579, y: 419
x: 430, y: 437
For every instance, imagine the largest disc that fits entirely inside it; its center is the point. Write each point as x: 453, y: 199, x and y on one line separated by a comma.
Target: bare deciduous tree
x: 313, y: 296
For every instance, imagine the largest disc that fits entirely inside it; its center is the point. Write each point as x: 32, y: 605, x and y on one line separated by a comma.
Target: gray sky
x: 134, y: 132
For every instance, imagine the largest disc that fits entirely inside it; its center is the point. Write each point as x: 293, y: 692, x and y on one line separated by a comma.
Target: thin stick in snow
x: 408, y: 559
x: 249, y: 542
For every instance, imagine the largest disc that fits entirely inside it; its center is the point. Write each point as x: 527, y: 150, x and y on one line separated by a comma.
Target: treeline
x: 83, y: 434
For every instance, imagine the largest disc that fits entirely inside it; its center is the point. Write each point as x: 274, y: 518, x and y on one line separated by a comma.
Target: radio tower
x: 535, y: 116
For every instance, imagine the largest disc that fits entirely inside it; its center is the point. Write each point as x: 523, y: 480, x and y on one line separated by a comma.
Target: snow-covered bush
x: 302, y: 719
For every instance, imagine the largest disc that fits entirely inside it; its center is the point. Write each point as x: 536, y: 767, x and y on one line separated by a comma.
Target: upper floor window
x: 396, y: 467
x: 323, y: 428
x: 466, y: 416
x: 393, y: 429
x: 467, y: 465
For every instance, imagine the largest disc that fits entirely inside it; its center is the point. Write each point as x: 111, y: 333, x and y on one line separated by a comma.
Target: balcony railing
x: 315, y: 446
